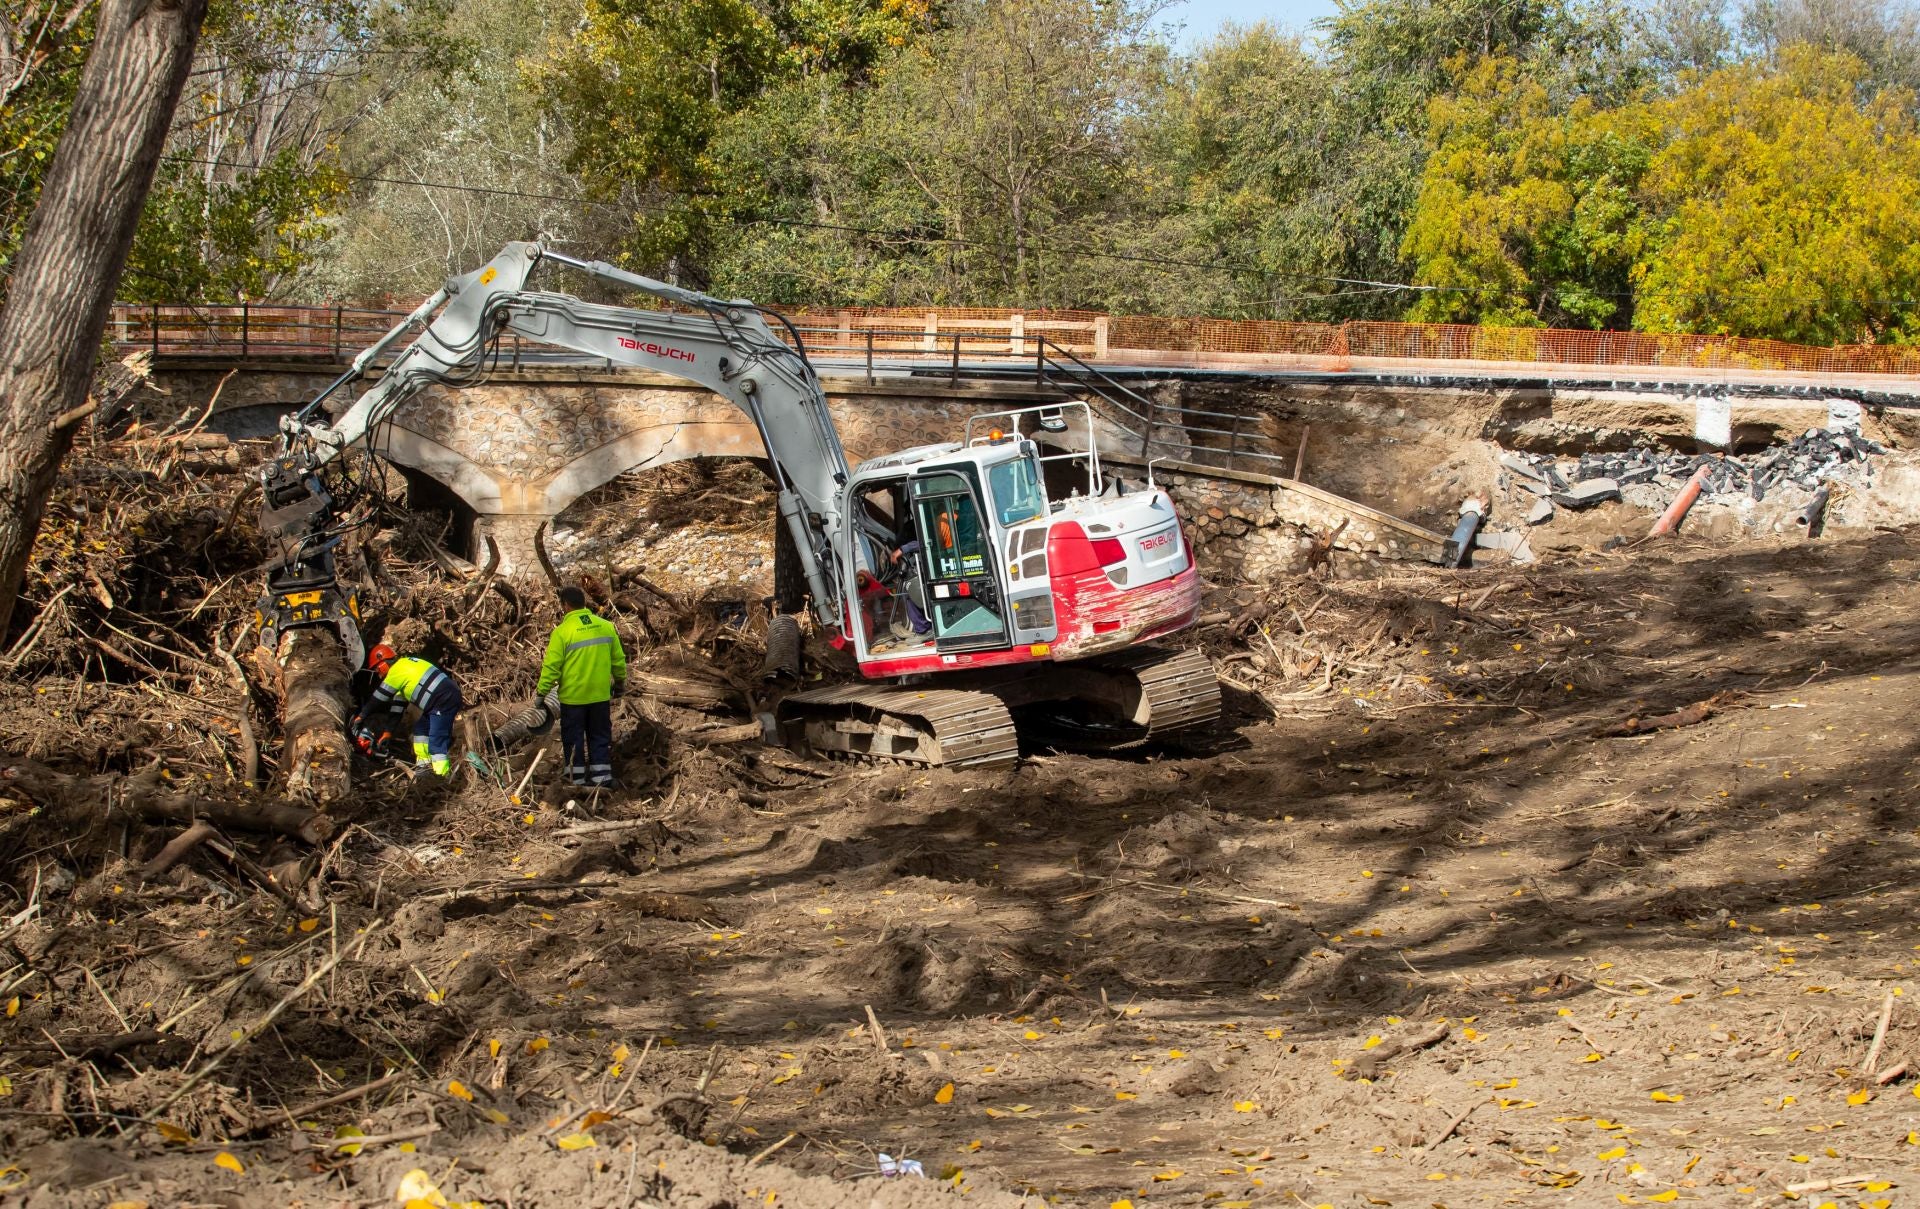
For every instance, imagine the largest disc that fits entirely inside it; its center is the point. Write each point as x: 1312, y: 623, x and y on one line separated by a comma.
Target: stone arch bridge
x: 522, y: 445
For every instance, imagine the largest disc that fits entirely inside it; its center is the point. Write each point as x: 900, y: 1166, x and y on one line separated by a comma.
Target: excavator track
x: 1179, y: 689
x: 1148, y: 693
x: 952, y: 728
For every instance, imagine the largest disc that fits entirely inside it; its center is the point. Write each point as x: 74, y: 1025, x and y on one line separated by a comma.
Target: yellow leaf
x: 1879, y: 1185
x: 348, y: 1131
x: 13, y: 1007
x: 944, y: 1095
x: 1245, y: 1106
x: 539, y: 1043
x: 1799, y: 1158
x: 1121, y: 1205
x: 495, y: 1115
x: 1125, y: 1095
x: 173, y: 1133
x: 223, y: 1159
x: 1437, y: 1175
x: 493, y: 1049
x: 1032, y: 1036
x: 576, y: 1141
x: 1671, y: 1194
x: 458, y: 1088
x: 417, y: 1188
x: 1274, y: 1034
x: 1176, y: 1054
x: 1860, y: 1097
x: 1618, y: 1152
x: 1594, y: 1058
x: 620, y: 1053
x: 308, y: 925
x: 1664, y: 1097
x: 1171, y: 1173
x: 1372, y: 1041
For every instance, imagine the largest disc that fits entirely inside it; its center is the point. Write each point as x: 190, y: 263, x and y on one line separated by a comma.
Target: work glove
x: 619, y: 686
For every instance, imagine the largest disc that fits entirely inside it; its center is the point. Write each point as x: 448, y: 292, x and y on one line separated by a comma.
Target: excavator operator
x: 412, y: 681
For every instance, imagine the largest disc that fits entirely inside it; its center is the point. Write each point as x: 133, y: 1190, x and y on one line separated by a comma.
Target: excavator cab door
x: 964, y: 598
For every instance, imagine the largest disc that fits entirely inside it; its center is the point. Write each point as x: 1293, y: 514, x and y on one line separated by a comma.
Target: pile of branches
x: 1308, y: 648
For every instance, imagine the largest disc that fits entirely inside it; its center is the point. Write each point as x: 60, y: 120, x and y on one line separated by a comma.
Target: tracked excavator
x: 973, y: 582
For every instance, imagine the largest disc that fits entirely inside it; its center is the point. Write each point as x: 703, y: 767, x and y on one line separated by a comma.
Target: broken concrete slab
x: 1523, y: 468
x: 1589, y: 493
x: 1541, y: 514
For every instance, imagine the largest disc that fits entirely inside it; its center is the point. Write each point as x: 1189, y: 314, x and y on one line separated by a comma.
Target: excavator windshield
x: 1015, y: 488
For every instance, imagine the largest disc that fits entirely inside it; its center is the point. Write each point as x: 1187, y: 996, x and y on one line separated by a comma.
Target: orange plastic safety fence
x: 947, y: 332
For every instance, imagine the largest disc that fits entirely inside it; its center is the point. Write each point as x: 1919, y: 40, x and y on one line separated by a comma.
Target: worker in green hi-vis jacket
x: 588, y: 665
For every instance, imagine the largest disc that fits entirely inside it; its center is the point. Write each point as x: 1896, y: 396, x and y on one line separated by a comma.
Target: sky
x: 1202, y: 17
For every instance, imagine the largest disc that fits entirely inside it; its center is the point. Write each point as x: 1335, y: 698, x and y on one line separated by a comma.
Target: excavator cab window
x: 961, y: 587
x: 1016, y: 491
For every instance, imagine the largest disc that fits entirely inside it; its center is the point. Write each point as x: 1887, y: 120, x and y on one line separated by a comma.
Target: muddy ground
x: 1588, y: 882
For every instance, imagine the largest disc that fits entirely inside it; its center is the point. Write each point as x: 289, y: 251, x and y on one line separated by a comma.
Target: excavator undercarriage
x: 1106, y: 704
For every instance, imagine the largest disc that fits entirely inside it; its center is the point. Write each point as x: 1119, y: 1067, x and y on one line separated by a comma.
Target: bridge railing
x: 958, y: 336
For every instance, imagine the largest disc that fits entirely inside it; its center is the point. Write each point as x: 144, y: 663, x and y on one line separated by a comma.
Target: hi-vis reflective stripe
x: 603, y: 640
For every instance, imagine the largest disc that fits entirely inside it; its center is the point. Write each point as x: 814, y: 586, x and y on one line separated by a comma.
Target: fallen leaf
x: 1671, y: 1194
x: 576, y: 1141
x: 223, y: 1159
x: 1171, y: 1173
x: 1594, y: 1058
x: 493, y: 1049
x: 457, y: 1088
x: 416, y: 1187
x: 1618, y: 1152
x: 539, y: 1043
x: 348, y: 1131
x: 1372, y: 1041
x: 1245, y: 1106
x: 173, y: 1133
x: 308, y: 925
x: 1664, y: 1097
x: 944, y: 1095
x: 1860, y: 1097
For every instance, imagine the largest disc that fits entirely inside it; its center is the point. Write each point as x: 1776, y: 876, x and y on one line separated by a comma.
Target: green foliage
x: 47, y: 46
x: 1526, y: 215
x: 645, y: 87
x: 1756, y: 200
x: 1782, y: 205
x: 203, y: 238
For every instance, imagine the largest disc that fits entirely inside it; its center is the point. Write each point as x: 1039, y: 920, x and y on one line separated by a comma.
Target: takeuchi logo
x: 655, y: 350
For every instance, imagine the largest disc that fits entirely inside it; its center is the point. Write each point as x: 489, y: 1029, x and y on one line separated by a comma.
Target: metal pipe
x: 1677, y: 510
x: 1472, y: 512
x: 1816, y: 510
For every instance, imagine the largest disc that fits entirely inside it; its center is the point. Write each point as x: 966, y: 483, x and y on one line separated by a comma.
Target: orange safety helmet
x: 381, y: 657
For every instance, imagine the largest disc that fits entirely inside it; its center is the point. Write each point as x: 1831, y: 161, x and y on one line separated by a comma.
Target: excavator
x: 998, y: 576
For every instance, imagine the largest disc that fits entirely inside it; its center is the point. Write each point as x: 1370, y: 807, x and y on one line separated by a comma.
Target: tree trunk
x: 75, y: 248
x: 313, y: 712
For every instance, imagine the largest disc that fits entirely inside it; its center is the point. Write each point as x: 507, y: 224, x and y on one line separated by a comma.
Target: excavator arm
x: 726, y: 347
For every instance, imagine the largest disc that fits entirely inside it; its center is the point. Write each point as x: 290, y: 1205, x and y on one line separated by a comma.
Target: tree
x: 646, y: 86
x: 1526, y: 213
x: 74, y: 250
x: 1781, y: 204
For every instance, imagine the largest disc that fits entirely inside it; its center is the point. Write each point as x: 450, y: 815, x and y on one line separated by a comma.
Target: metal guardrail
x: 1193, y: 434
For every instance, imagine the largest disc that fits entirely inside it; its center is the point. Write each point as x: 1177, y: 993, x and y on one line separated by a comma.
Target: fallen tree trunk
x: 313, y: 712
x: 153, y: 797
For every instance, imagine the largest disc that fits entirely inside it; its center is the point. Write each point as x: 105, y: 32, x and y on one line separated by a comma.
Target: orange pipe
x: 1689, y: 492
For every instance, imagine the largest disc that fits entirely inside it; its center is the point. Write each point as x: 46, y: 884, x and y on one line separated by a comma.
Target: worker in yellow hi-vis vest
x: 411, y: 681
x: 586, y: 662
